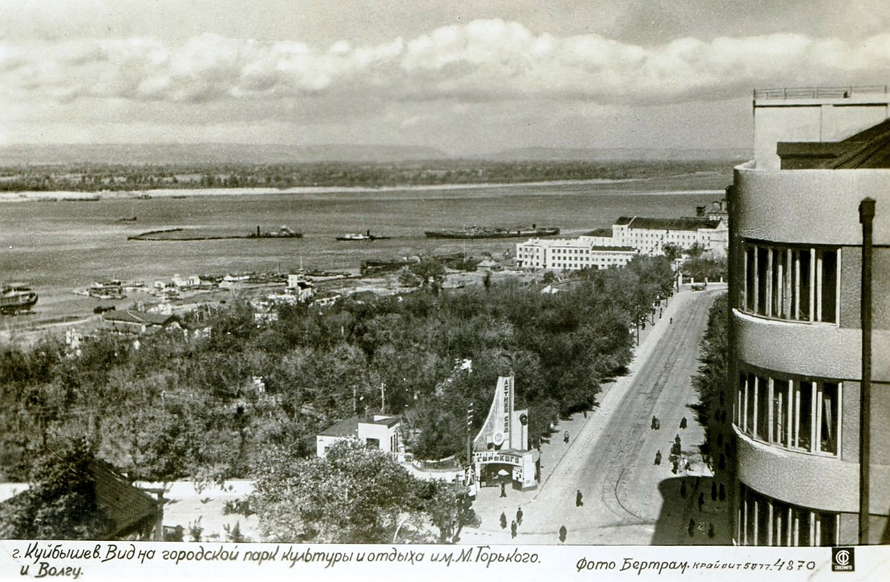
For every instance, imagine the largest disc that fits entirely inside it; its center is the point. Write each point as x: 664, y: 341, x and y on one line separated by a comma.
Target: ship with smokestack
x: 473, y: 232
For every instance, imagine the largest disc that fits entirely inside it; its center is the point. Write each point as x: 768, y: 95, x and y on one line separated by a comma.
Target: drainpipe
x: 866, y: 218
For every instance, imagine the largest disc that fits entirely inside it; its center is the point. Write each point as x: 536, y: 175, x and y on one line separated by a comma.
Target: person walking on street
x: 513, y: 530
x: 563, y: 532
x: 683, y: 423
x: 503, y: 520
x: 519, y: 516
x: 579, y: 499
x: 658, y: 458
x: 503, y: 490
x: 565, y: 437
x: 653, y: 423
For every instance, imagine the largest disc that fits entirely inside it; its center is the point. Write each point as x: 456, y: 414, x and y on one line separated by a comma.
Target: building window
x: 794, y: 413
x: 764, y: 521
x: 791, y: 283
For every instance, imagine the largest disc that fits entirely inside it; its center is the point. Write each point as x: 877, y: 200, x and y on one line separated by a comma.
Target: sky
x: 464, y: 76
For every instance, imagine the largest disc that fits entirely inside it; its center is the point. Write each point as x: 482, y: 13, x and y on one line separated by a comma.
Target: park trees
x: 353, y: 495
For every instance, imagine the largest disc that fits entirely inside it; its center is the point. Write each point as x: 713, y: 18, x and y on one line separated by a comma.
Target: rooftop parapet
x: 821, y: 92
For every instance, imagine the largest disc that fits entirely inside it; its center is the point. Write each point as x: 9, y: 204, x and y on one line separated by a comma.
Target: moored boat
x: 493, y: 232
x: 16, y: 297
x: 361, y: 236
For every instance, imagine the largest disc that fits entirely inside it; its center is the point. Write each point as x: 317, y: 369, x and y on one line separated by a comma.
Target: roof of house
x: 868, y: 149
x: 349, y: 426
x: 128, y: 507
x: 686, y: 223
x: 139, y: 317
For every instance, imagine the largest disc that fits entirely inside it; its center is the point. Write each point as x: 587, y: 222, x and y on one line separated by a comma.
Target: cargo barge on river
x: 470, y: 232
x: 182, y: 234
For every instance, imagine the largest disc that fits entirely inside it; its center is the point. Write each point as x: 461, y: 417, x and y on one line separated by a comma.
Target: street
x: 627, y: 499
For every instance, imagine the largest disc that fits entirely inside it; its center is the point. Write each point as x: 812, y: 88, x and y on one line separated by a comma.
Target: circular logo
x: 498, y: 438
x: 842, y: 557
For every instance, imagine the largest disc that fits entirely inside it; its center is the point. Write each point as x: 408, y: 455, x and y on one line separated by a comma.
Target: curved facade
x: 796, y: 363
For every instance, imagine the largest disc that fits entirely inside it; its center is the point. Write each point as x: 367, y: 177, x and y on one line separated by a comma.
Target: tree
x: 353, y: 495
x: 449, y: 509
x: 61, y: 502
x: 431, y: 273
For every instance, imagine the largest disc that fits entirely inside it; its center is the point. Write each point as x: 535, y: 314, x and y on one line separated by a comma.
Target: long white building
x: 571, y: 254
x: 649, y: 235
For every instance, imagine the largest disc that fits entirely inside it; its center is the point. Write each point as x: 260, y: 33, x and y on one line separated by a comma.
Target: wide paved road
x: 625, y: 496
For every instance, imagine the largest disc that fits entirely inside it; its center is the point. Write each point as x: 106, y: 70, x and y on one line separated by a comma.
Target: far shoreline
x: 78, y: 196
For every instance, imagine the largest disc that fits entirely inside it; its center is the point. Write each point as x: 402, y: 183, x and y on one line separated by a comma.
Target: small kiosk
x: 500, y: 450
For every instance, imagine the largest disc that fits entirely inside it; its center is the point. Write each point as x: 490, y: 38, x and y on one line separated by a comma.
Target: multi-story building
x: 649, y: 235
x: 571, y: 254
x: 796, y: 339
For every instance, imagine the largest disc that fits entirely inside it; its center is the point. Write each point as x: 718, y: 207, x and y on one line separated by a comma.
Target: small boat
x: 16, y: 297
x: 110, y: 289
x: 359, y: 236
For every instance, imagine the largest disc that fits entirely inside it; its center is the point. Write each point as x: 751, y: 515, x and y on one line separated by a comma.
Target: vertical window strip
x: 818, y: 311
x: 796, y: 285
x: 769, y: 283
x: 812, y: 282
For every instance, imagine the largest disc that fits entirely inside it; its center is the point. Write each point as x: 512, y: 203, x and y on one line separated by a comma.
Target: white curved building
x: 796, y: 252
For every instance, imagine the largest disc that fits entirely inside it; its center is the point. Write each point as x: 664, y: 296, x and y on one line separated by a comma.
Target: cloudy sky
x: 465, y: 76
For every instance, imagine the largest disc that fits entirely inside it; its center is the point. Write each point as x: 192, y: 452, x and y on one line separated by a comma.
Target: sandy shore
x: 71, y: 196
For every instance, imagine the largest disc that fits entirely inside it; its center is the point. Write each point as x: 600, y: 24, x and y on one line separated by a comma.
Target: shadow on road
x: 690, y: 516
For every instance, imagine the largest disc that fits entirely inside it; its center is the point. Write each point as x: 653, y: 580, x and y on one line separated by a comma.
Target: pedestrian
x: 653, y: 423
x: 713, y: 491
x: 683, y: 490
x: 563, y: 532
x: 683, y: 423
x: 674, y: 468
x: 658, y: 458
x: 671, y: 321
x: 701, y: 500
x: 579, y: 499
x: 677, y: 440
x: 519, y: 516
x: 503, y: 490
x: 691, y: 527
x: 565, y: 437
x: 657, y: 424
x: 513, y: 530
x: 710, y: 530
x: 503, y: 520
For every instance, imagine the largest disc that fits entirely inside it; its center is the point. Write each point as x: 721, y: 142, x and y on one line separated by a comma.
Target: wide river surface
x: 58, y: 246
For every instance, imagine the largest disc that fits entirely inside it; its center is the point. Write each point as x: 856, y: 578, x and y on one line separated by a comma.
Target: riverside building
x: 571, y: 254
x: 796, y: 340
x: 650, y: 235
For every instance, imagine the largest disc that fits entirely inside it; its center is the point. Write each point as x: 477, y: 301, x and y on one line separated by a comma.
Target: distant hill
x: 214, y: 153
x: 543, y: 154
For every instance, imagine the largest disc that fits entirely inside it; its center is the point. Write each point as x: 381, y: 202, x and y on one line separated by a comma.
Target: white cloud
x: 484, y: 60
